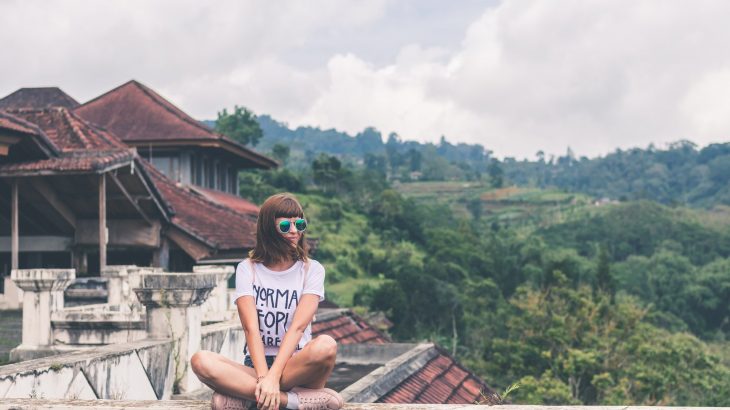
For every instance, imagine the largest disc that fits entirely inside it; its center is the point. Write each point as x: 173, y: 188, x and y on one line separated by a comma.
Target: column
x: 215, y: 309
x: 173, y: 304
x: 102, y: 222
x: 42, y: 294
x: 117, y: 284
x: 14, y: 234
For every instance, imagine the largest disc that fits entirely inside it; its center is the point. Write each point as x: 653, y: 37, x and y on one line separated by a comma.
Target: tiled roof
x: 347, y: 328
x: 213, y: 224
x: 69, y: 132
x: 72, y: 162
x: 78, y: 146
x: 441, y: 381
x: 137, y: 115
x: 135, y: 112
x: 13, y: 123
x: 233, y: 202
x: 37, y: 98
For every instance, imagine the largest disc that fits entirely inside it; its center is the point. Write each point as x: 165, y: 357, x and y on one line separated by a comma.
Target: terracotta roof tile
x: 77, y: 145
x: 233, y: 202
x: 37, y: 98
x: 76, y: 162
x: 347, y: 329
x: 14, y: 123
x: 215, y: 225
x: 441, y: 380
x: 69, y: 132
x: 136, y: 113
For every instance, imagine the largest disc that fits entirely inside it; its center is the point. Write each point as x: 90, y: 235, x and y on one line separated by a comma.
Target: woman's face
x: 293, y: 234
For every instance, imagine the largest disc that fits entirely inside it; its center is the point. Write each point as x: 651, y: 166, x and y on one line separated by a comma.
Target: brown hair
x: 271, y: 247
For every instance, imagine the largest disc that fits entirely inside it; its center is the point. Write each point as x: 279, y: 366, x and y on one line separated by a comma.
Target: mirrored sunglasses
x: 284, y: 226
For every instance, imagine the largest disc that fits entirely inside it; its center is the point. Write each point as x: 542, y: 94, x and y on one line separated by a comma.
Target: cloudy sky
x: 517, y: 76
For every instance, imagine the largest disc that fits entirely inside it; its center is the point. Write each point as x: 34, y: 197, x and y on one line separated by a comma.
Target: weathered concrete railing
x: 42, y: 294
x: 117, y: 285
x: 149, y: 369
x: 95, y: 325
x: 217, y: 308
x: 173, y: 312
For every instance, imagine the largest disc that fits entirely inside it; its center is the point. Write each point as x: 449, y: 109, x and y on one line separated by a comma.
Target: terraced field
x: 510, y: 205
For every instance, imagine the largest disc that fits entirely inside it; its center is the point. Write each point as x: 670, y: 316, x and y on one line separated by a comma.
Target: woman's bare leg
x: 312, y: 366
x: 226, y: 376
x: 309, y: 368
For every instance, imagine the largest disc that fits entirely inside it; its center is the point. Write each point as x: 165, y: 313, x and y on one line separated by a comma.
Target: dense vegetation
x: 623, y: 303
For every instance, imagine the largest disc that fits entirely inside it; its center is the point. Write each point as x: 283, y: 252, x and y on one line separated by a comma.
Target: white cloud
x: 527, y: 75
x: 536, y: 75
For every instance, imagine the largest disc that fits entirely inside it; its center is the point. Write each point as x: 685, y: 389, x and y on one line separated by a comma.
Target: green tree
x: 496, y: 174
x: 604, y: 279
x: 241, y: 125
x: 280, y: 152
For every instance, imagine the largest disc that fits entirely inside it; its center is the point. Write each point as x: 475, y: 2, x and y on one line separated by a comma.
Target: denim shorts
x: 248, y: 362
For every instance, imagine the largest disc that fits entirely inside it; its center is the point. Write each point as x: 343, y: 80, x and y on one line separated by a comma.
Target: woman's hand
x: 267, y: 392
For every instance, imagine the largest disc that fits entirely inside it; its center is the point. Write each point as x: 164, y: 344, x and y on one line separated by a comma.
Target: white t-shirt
x: 277, y: 296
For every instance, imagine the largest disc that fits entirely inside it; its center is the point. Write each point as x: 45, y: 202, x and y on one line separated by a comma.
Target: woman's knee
x: 324, y: 349
x: 202, y: 364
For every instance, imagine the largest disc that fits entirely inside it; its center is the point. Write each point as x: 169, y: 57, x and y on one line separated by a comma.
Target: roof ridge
x: 74, y: 127
x: 106, y: 135
x: 167, y: 105
x: 8, y: 114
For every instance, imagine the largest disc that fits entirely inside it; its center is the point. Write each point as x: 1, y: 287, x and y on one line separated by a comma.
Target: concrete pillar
x: 13, y: 295
x: 42, y: 294
x: 118, y: 283
x: 173, y: 304
x: 215, y: 309
x: 134, y: 281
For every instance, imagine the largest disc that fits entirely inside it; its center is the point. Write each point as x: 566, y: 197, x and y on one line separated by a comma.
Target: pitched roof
x: 76, y: 145
x: 137, y: 114
x: 72, y: 163
x: 215, y: 225
x: 13, y: 123
x: 69, y: 132
x: 38, y: 98
x: 441, y: 381
x: 227, y: 200
x: 346, y: 327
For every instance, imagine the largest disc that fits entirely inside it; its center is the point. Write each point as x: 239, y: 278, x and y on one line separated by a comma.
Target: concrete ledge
x: 34, y: 404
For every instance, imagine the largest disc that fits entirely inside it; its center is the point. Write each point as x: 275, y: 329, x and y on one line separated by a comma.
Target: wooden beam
x: 163, y: 210
x: 50, y: 195
x: 14, y: 241
x: 102, y: 222
x: 197, y: 250
x: 134, y: 203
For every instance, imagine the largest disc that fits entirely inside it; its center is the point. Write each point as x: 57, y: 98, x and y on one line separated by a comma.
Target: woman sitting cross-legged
x: 278, y: 290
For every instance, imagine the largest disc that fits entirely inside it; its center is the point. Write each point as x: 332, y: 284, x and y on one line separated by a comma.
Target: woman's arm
x: 250, y: 323
x: 303, y: 315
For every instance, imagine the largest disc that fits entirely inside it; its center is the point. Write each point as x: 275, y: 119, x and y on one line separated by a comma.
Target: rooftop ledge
x: 20, y: 404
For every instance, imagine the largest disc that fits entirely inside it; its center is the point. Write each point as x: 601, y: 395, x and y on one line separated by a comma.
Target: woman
x: 277, y: 292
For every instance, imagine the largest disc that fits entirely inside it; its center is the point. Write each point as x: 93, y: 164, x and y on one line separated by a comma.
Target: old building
x: 179, y: 146
x: 129, y: 167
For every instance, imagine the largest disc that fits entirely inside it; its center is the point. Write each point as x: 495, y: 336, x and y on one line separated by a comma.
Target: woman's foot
x: 223, y: 402
x: 318, y: 399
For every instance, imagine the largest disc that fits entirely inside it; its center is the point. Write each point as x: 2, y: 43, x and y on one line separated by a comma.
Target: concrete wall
x: 142, y: 370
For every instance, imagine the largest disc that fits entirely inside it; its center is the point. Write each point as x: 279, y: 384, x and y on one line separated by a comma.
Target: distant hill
x: 679, y: 174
